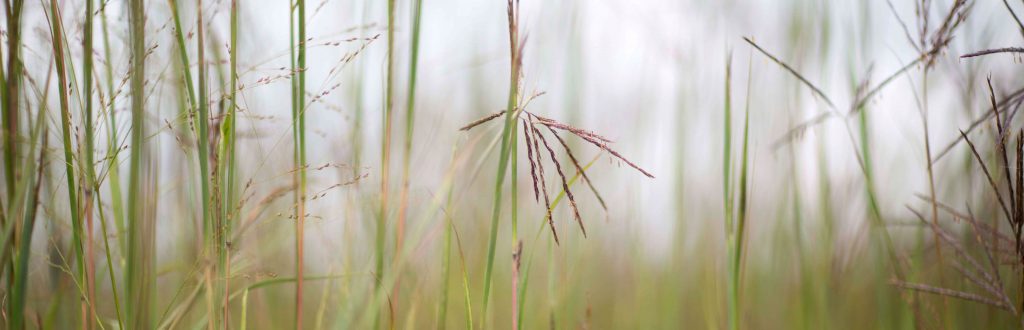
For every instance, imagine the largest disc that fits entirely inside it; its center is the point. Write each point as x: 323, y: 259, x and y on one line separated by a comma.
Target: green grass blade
x: 113, y: 145
x: 446, y: 254
x: 385, y: 163
x: 141, y: 230
x: 507, y: 134
x: 186, y: 66
x: 20, y: 276
x: 12, y: 93
x: 730, y: 223
x: 57, y: 33
x: 410, y: 123
x: 88, y: 152
x: 299, y: 133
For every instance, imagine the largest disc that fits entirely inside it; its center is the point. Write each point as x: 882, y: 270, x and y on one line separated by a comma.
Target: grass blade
x: 141, y: 229
x: 57, y: 34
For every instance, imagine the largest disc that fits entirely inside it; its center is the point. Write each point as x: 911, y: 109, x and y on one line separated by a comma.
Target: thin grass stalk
x: 210, y: 225
x: 12, y: 92
x: 139, y: 268
x: 507, y: 135
x: 90, y: 170
x: 356, y: 140
x: 730, y: 226
x: 21, y: 278
x: 57, y: 33
x: 741, y: 219
x: 262, y: 284
x: 385, y: 163
x: 186, y: 66
x: 529, y: 261
x: 863, y: 158
x: 465, y: 284
x: 16, y: 210
x: 218, y: 68
x: 554, y: 292
x: 110, y: 268
x: 3, y: 109
x: 805, y: 273
x: 245, y: 310
x: 228, y: 157
x: 410, y: 105
x: 552, y: 286
x: 446, y: 255
x: 8, y: 172
x: 409, y: 250
x: 203, y: 143
x: 296, y: 93
x: 321, y: 309
x: 1020, y: 202
x: 517, y: 246
x: 931, y: 189
x: 828, y: 229
x: 30, y: 193
x: 6, y: 225
x: 356, y: 135
x: 874, y: 210
x: 113, y: 145
x: 298, y: 113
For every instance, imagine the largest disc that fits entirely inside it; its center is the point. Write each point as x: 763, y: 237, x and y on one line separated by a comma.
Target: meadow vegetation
x: 185, y: 164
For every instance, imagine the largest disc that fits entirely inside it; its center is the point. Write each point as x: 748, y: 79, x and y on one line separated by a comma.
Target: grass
x: 211, y: 227
x: 139, y: 272
x: 410, y: 106
x: 116, y: 213
x: 507, y: 133
x: 728, y: 198
x: 113, y: 170
x: 229, y: 170
x: 30, y: 192
x: 735, y: 215
x: 385, y: 160
x: 299, y: 138
x: 12, y: 80
x: 56, y: 30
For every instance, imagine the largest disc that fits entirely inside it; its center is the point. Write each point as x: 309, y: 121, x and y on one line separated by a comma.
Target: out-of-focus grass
x: 219, y: 228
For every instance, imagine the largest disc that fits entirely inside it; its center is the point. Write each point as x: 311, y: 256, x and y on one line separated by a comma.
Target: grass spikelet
x: 1013, y: 50
x: 477, y: 122
x: 991, y: 181
x: 550, y: 123
x: 950, y: 293
x: 579, y: 169
x: 529, y: 156
x: 548, y: 207
x: 534, y: 138
x: 565, y: 184
x: 604, y: 146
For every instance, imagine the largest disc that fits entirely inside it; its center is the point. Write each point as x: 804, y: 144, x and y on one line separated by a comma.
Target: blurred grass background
x: 149, y: 184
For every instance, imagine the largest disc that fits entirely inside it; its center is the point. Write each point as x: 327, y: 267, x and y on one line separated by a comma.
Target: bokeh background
x: 650, y: 75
